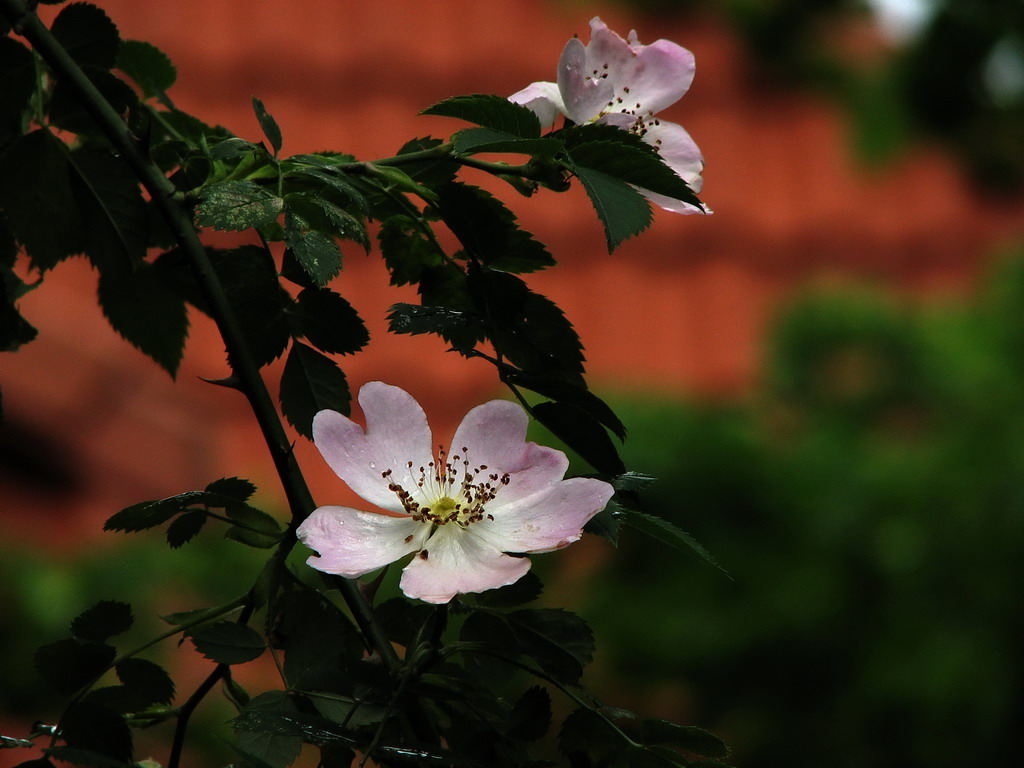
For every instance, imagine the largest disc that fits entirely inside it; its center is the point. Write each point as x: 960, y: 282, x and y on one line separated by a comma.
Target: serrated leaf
x: 148, y: 514
x: 67, y: 111
x: 235, y: 488
x: 250, y: 280
x: 688, y: 737
x: 667, y: 533
x: 147, y: 65
x: 102, y: 621
x: 317, y: 640
x: 581, y: 432
x: 639, y: 165
x: 310, y: 383
x: 97, y: 729
x: 147, y: 683
x: 316, y: 252
x: 228, y: 642
x: 623, y: 211
x: 147, y: 313
x: 268, y: 124
x: 476, y: 140
x: 531, y: 715
x: 113, y: 209
x: 632, y: 481
x: 525, y: 590
x: 314, y: 211
x: 253, y: 518
x: 559, y: 641
x: 272, y: 749
x: 561, y: 390
x: 184, y: 528
x: 329, y: 322
x: 236, y: 205
x: 414, y: 320
x: 37, y: 199
x: 489, y: 231
x: 69, y: 664
x: 16, y: 87
x: 407, y: 249
x: 489, y: 111
x: 87, y: 34
x: 431, y: 172
x: 14, y: 329
x: 331, y: 183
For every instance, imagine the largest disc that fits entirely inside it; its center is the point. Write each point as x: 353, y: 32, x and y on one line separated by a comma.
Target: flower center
x: 448, y: 490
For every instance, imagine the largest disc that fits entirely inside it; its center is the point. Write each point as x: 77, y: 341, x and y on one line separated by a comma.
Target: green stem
x: 251, y: 383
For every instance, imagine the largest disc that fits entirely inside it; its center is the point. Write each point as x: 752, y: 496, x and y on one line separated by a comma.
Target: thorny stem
x: 250, y: 382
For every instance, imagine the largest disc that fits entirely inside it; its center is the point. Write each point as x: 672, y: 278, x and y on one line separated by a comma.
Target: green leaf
x: 88, y: 35
x: 69, y: 664
x: 581, y: 432
x: 112, y: 207
x: 37, y: 199
x: 316, y: 252
x: 10, y: 742
x: 317, y: 639
x: 147, y: 65
x: 267, y: 124
x: 525, y: 590
x: 184, y: 528
x: 489, y: 111
x: 667, y: 533
x: 310, y: 383
x: 559, y: 641
x: 147, y: 313
x: 274, y: 749
x: 228, y: 642
x: 488, y: 230
x: 234, y: 488
x: 531, y: 715
x: 639, y: 165
x: 102, y: 621
x: 476, y: 140
x: 148, y: 683
x: 148, y: 514
x: 16, y: 87
x: 414, y: 320
x: 253, y: 518
x: 558, y: 389
x: 97, y: 729
x: 67, y: 111
x: 408, y: 249
x: 329, y: 322
x: 688, y: 737
x: 432, y: 172
x: 623, y: 211
x: 237, y: 205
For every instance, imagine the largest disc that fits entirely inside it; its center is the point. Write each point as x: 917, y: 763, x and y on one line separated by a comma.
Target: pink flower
x: 623, y: 83
x: 460, y: 511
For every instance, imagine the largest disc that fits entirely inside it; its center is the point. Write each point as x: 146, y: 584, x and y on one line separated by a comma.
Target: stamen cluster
x: 440, y: 497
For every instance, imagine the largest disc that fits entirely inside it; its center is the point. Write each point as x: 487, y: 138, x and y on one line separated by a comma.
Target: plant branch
x: 161, y: 191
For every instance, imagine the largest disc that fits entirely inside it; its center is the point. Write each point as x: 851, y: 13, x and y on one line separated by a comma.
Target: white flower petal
x: 396, y: 433
x: 351, y: 542
x: 543, y: 99
x: 583, y: 94
x: 453, y: 562
x: 546, y: 521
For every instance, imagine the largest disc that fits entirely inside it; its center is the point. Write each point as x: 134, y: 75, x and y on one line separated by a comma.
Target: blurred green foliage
x: 958, y: 79
x: 869, y: 506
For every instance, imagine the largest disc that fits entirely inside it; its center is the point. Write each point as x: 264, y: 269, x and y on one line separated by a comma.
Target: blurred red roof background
x: 682, y: 309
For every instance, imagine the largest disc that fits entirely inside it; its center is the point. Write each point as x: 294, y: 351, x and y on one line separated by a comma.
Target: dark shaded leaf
x: 148, y: 683
x: 329, y: 322
x: 316, y: 252
x: 147, y: 313
x: 559, y: 641
x: 113, y: 209
x: 639, y: 164
x: 234, y: 488
x: 228, y: 642
x: 10, y: 742
x: 102, y: 621
x: 490, y: 111
x: 558, y: 389
x: 254, y: 528
x: 273, y: 749
x: 237, y: 205
x: 527, y: 589
x: 148, y: 514
x: 667, y: 533
x: 310, y: 383
x: 86, y: 757
x: 411, y: 319
x: 408, y: 249
x: 37, y: 199
x: 147, y: 65
x: 88, y: 35
x: 68, y: 111
x: 474, y: 140
x: 97, y: 729
x: 491, y: 632
x: 184, y: 528
x: 488, y: 230
x: 14, y: 329
x: 16, y: 87
x: 584, y: 732
x: 432, y: 172
x: 531, y: 715
x: 623, y: 211
x: 69, y: 664
x: 317, y: 640
x: 688, y: 737
x: 582, y: 433
x: 268, y: 124
x: 249, y: 277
